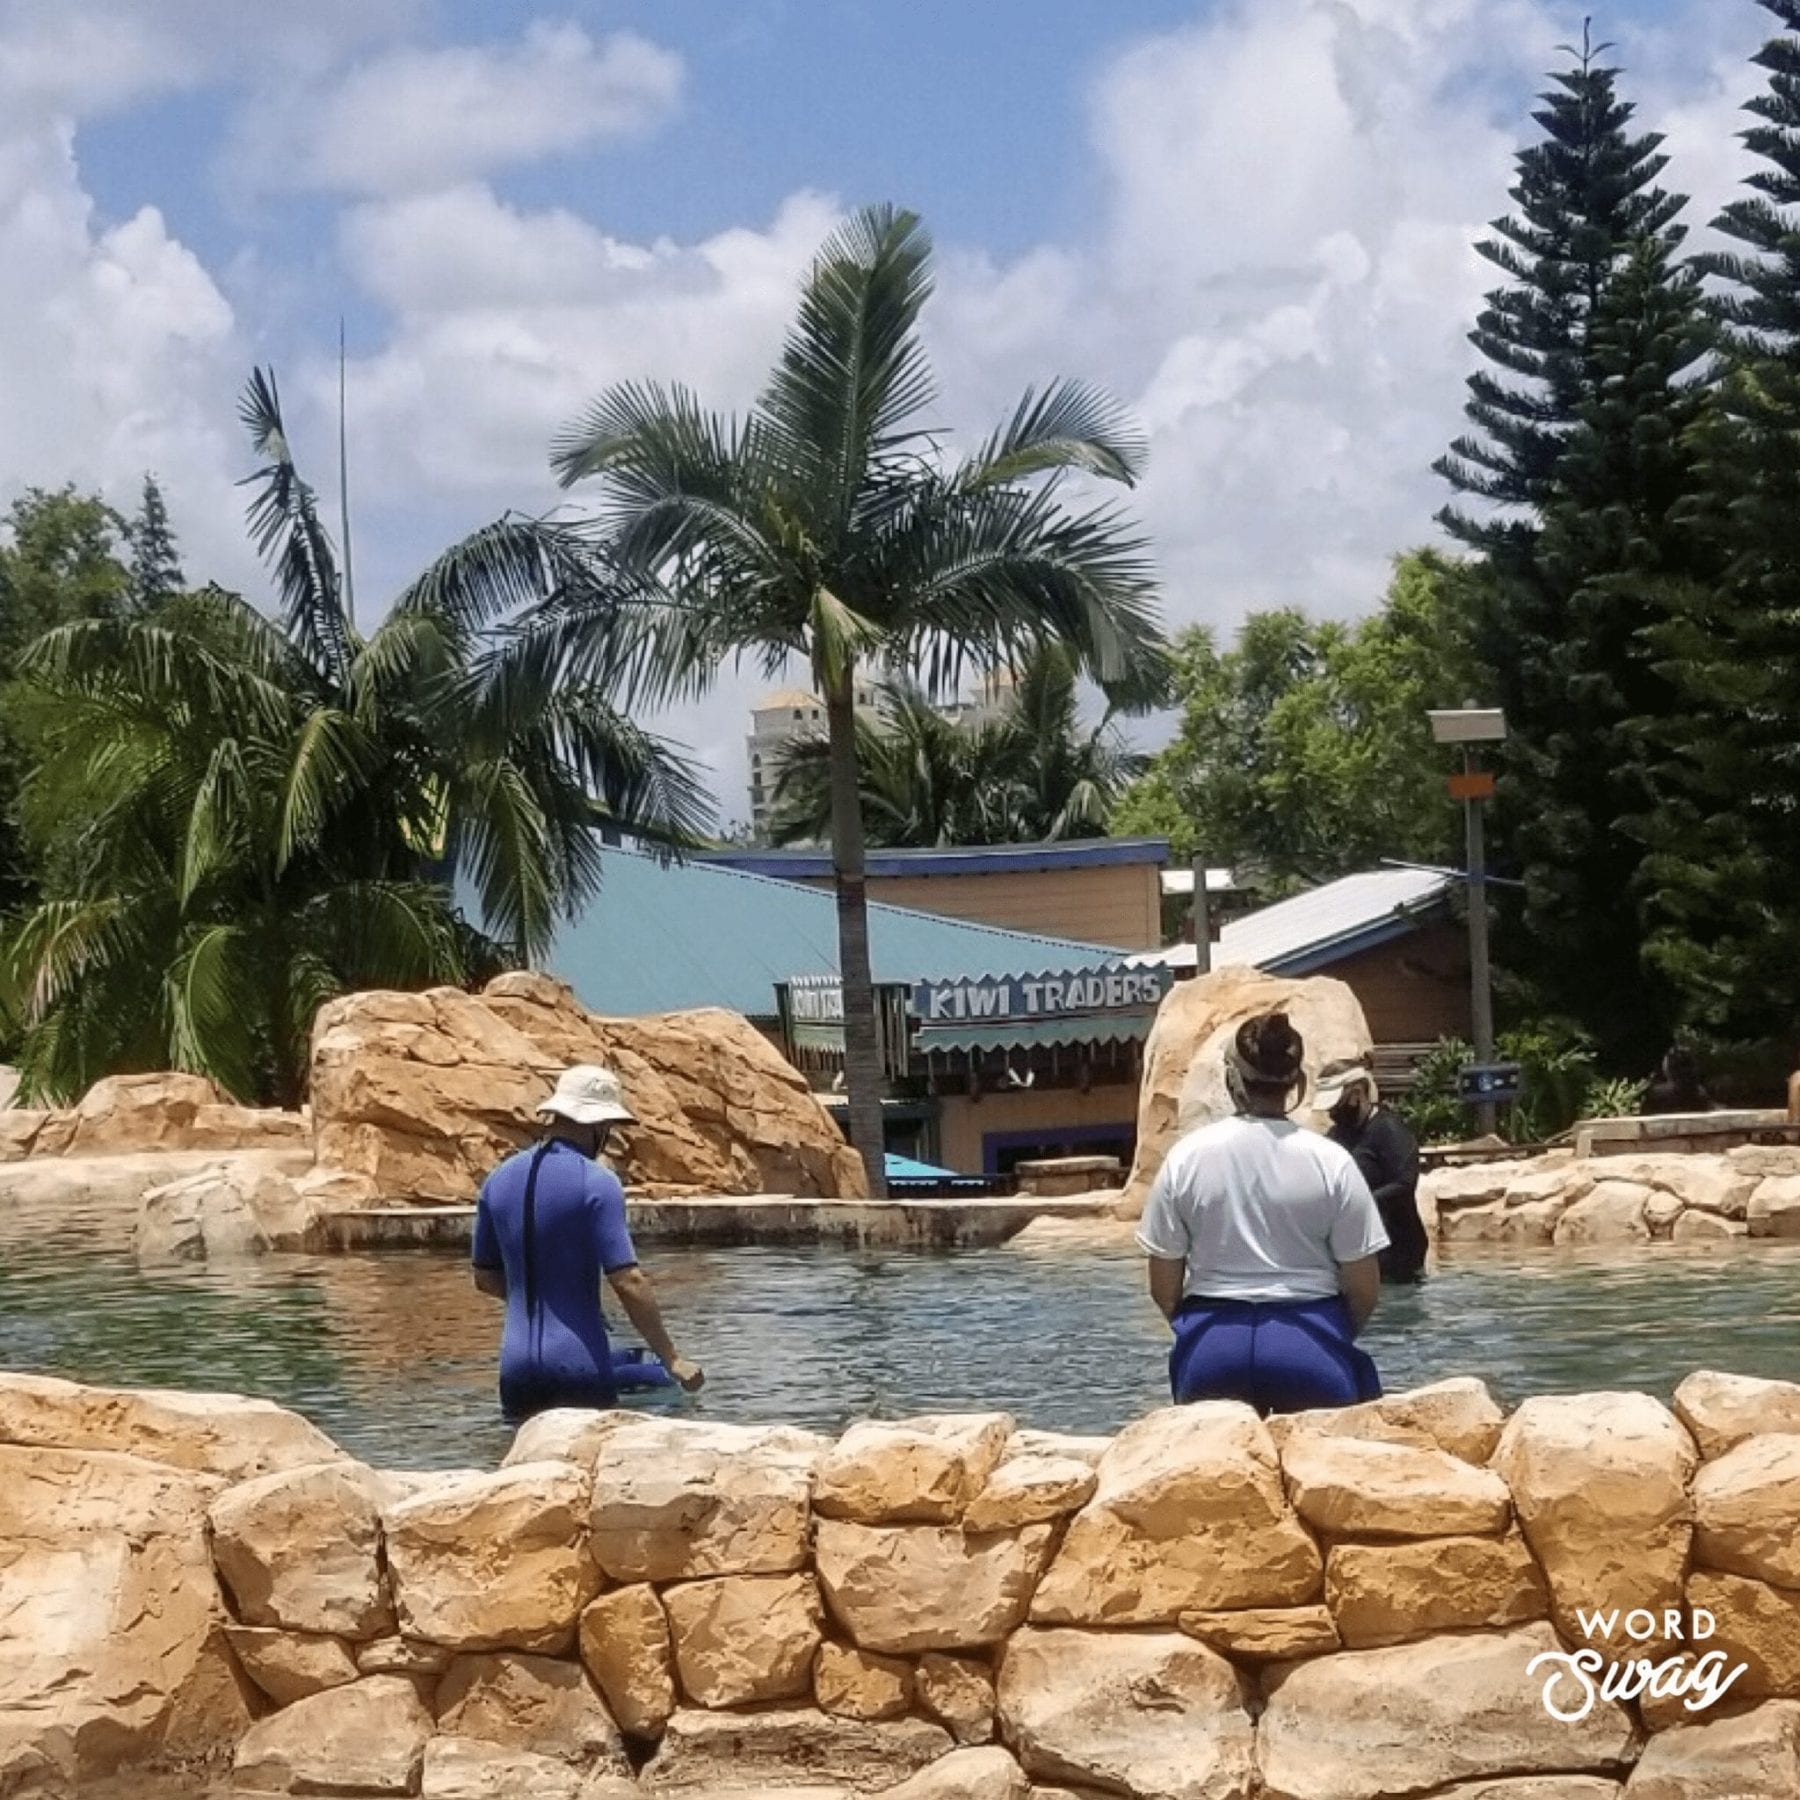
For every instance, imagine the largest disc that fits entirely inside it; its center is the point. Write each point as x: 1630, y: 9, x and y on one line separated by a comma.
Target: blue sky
x: 1251, y: 218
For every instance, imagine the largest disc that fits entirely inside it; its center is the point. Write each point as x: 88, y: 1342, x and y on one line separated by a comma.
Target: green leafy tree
x: 1034, y: 774
x: 1304, y: 752
x: 59, y: 561
x: 1726, y: 851
x: 826, y: 526
x: 254, y: 814
x: 156, y: 572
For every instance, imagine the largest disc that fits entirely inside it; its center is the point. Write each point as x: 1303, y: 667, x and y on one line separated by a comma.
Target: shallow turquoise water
x: 393, y: 1354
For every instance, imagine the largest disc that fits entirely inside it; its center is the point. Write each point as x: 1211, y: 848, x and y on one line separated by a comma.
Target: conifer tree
x: 1577, y: 451
x: 155, y: 559
x: 1727, y: 854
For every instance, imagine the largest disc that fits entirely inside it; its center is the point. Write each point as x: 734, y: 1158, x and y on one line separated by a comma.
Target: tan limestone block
x: 742, y: 1639
x: 920, y: 1471
x: 958, y: 1691
x: 858, y: 1684
x: 1747, y: 1510
x: 1747, y: 1754
x: 300, y: 1550
x: 367, y: 1738
x: 625, y: 1647
x: 1348, y: 1487
x: 1387, y: 1593
x: 718, y: 1753
x: 536, y: 1703
x: 1600, y: 1484
x: 1141, y: 1712
x: 1722, y: 1410
x: 491, y: 1562
x: 288, y: 1665
x: 1031, y: 1490
x: 905, y: 1588
x: 973, y: 1774
x: 1266, y: 1633
x: 674, y: 1502
x: 1459, y: 1416
x: 1444, y: 1710
x: 1758, y: 1626
x: 1189, y: 1516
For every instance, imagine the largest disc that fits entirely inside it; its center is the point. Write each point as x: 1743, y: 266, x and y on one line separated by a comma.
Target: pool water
x: 393, y: 1354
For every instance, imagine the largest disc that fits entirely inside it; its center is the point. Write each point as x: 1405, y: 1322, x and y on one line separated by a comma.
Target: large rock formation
x: 122, y: 1114
x: 1561, y: 1198
x: 421, y: 1094
x: 1184, y: 1062
x: 644, y: 1606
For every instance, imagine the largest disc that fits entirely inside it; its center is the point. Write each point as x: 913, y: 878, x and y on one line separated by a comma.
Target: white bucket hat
x: 588, y: 1095
x: 1337, y: 1078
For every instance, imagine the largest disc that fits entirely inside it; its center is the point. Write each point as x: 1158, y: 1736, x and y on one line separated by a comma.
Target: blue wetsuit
x: 1276, y: 1355
x: 553, y: 1221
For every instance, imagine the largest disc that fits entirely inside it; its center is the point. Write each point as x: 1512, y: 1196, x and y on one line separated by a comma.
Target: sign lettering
x: 1040, y: 997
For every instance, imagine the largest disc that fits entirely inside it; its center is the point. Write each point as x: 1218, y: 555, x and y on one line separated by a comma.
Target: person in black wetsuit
x: 1387, y: 1153
x: 1677, y: 1087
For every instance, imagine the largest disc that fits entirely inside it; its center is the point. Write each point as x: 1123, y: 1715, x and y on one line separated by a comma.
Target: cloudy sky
x: 1251, y: 219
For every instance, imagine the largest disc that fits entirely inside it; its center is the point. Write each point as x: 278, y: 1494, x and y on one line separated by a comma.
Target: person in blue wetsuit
x: 1263, y: 1240
x: 550, y: 1224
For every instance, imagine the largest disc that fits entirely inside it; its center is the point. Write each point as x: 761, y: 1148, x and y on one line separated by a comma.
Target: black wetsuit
x: 1387, y: 1153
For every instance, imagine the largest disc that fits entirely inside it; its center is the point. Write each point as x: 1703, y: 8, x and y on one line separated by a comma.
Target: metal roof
x: 1025, y: 1034
x: 660, y: 938
x: 971, y: 859
x: 1324, y: 925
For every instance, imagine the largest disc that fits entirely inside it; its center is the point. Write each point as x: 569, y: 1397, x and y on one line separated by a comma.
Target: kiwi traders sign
x: 1116, y: 988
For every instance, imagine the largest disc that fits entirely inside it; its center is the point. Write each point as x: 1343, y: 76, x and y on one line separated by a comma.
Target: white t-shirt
x: 1260, y: 1209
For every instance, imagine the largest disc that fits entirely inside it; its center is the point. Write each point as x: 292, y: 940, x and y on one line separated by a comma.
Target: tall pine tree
x: 1727, y: 868
x: 1578, y: 448
x: 155, y: 560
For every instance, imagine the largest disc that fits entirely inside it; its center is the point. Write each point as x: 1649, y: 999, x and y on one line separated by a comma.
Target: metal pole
x: 1202, y: 921
x: 1481, y: 996
x: 344, y: 475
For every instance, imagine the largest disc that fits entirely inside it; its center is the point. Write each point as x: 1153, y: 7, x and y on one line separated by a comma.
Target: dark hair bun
x: 1270, y: 1048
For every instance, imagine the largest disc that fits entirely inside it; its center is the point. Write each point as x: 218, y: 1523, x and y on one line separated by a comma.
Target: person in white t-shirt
x: 1264, y: 1240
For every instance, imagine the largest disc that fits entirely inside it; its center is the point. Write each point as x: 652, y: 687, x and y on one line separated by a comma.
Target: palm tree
x: 828, y: 525
x: 1030, y: 775
x: 248, y: 815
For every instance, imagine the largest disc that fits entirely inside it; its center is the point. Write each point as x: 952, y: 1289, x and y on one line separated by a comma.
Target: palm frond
x: 853, y: 375
x: 334, y: 760
x: 290, y: 536
x: 1067, y: 425
x: 215, y: 1029
x: 220, y: 827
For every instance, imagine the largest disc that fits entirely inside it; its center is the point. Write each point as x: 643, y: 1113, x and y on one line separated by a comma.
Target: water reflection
x: 394, y: 1355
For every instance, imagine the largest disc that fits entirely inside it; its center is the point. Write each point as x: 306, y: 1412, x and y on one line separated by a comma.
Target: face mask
x: 1347, y: 1112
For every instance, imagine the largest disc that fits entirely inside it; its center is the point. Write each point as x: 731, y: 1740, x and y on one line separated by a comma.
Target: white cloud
x: 118, y: 354
x: 418, y: 119
x: 79, y: 57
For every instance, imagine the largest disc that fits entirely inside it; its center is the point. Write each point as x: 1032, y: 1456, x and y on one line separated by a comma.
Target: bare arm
x: 1167, y: 1278
x: 638, y: 1297
x: 490, y: 1281
x: 1361, y: 1284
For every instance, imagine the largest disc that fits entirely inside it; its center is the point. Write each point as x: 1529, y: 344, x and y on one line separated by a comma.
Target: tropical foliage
x: 1303, y: 752
x: 246, y: 815
x: 828, y: 527
x: 1032, y: 774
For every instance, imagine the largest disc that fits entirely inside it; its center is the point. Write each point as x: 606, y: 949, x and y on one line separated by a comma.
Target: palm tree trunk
x: 862, y: 1050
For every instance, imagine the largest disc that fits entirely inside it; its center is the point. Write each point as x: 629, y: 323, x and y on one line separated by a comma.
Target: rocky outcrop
x: 1560, y: 1198
x: 1184, y: 1061
x: 125, y: 1114
x: 421, y: 1094
x: 670, y: 1607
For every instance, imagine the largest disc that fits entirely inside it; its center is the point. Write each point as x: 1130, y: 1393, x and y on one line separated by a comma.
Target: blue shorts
x: 1276, y: 1355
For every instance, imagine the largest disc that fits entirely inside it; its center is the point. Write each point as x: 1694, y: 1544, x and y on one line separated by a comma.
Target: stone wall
x: 1753, y: 1191
x: 1338, y: 1606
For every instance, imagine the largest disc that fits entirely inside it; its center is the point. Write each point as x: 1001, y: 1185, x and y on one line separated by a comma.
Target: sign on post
x: 1490, y: 1084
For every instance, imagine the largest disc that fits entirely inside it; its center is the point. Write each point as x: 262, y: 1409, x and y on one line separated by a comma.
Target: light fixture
x: 1468, y: 725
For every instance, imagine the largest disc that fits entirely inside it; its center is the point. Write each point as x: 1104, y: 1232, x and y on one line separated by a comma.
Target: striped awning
x: 1027, y: 1034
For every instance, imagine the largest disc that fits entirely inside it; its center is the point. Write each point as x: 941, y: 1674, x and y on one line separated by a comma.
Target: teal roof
x: 660, y: 938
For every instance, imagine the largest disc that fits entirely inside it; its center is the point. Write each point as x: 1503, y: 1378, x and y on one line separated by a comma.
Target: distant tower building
x: 789, y: 713
x: 775, y: 721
